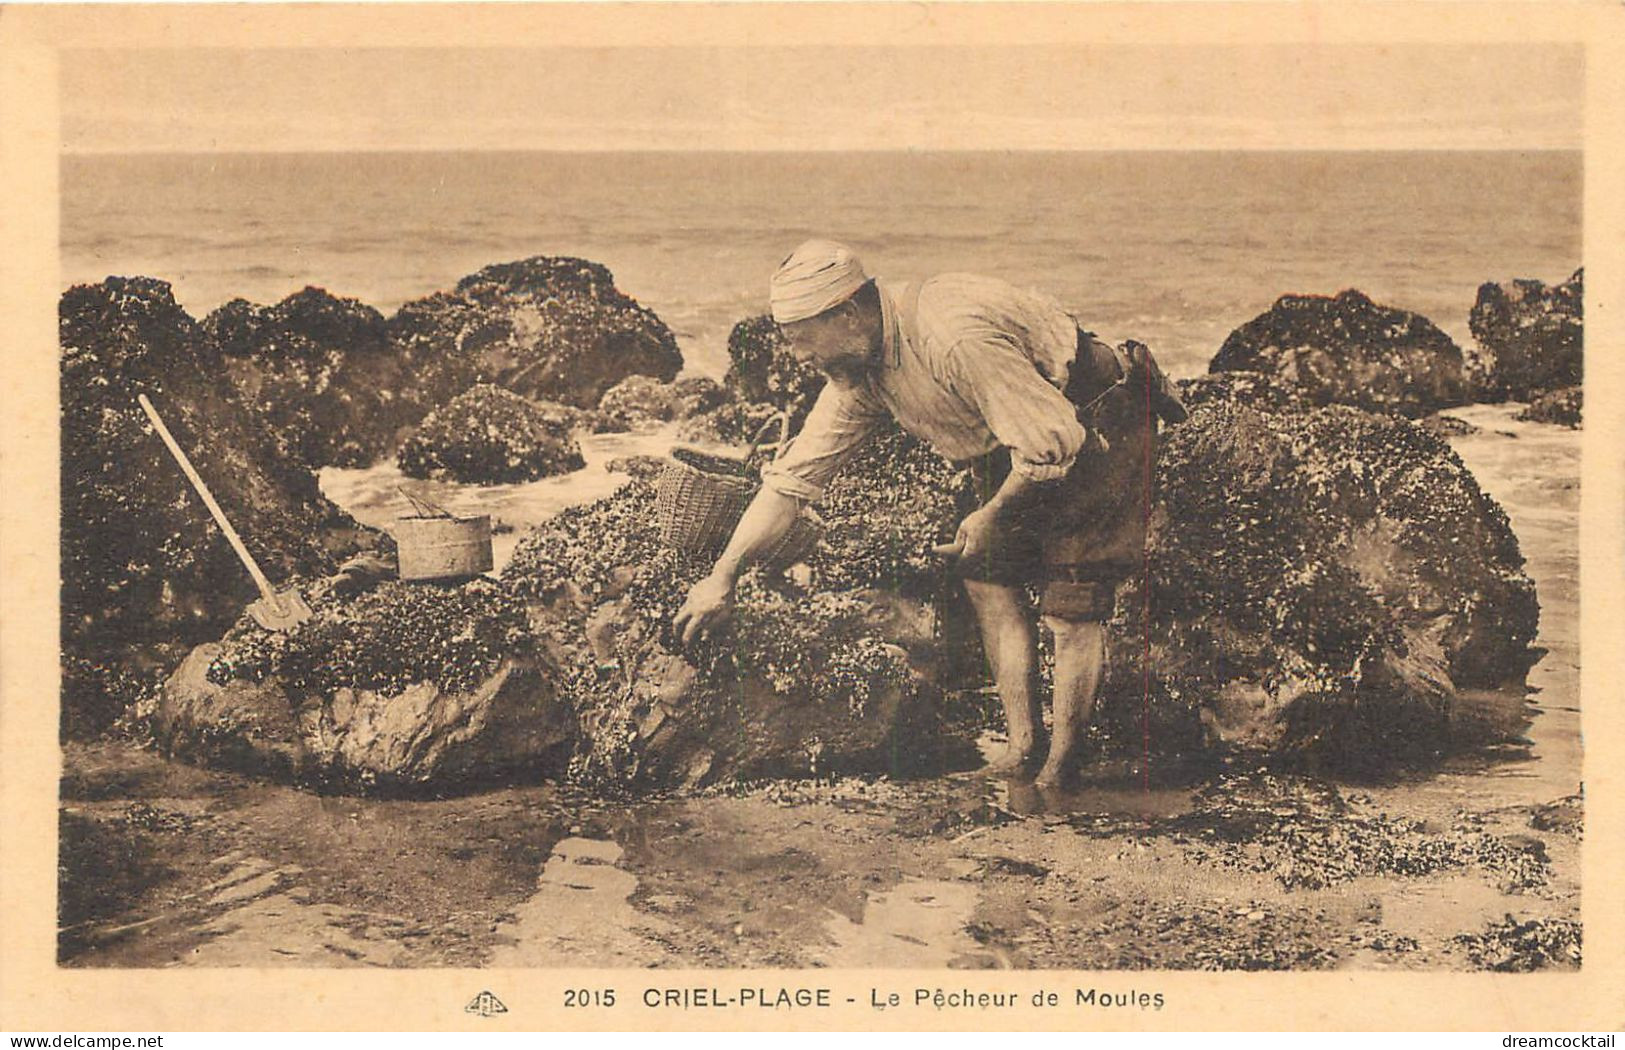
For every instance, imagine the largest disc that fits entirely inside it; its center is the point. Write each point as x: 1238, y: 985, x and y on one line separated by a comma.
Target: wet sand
x: 166, y: 865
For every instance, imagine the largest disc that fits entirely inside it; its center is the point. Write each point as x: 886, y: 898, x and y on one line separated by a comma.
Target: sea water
x: 1172, y: 248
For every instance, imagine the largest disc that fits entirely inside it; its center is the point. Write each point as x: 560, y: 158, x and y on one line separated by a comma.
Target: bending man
x: 1056, y: 427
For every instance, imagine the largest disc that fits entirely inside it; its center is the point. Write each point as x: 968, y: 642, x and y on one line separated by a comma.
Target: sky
x: 1348, y: 96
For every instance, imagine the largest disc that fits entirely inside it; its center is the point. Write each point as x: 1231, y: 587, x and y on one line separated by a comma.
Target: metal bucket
x: 443, y: 548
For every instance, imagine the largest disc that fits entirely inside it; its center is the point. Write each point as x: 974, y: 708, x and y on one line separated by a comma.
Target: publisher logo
x: 486, y: 1005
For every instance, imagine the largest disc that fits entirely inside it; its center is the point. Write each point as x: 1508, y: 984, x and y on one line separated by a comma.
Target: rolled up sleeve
x: 841, y: 420
x: 1026, y: 414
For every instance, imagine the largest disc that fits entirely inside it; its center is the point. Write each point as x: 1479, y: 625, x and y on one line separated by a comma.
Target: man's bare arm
x: 710, y: 601
x: 1014, y: 495
x: 764, y: 523
x: 976, y: 531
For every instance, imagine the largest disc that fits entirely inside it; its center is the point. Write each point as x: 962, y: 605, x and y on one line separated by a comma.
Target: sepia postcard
x: 812, y: 516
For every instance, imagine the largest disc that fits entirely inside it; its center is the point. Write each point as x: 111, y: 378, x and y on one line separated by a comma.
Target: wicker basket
x: 701, y: 496
x: 797, y: 543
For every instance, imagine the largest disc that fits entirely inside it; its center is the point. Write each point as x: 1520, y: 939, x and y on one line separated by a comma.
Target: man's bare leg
x: 1011, y: 641
x: 1080, y: 653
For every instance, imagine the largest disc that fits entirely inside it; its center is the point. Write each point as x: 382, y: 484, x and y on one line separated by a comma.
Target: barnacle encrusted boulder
x: 318, y: 370
x: 804, y: 682
x: 697, y: 394
x: 146, y: 574
x: 733, y: 422
x: 637, y: 403
x: 647, y: 468
x: 761, y: 369
x: 488, y: 436
x: 763, y: 379
x: 1561, y: 406
x: 1324, y: 581
x: 1531, y: 338
x: 643, y: 403
x: 1347, y: 350
x: 403, y: 686
x: 551, y: 328
x: 1259, y: 389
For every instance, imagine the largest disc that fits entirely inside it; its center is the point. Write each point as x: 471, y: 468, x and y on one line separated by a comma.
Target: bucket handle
x: 424, y: 508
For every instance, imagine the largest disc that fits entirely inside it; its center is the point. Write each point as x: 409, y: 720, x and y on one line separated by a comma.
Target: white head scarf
x: 815, y: 277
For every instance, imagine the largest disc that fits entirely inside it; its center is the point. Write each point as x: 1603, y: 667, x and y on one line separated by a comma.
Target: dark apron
x: 1087, y: 532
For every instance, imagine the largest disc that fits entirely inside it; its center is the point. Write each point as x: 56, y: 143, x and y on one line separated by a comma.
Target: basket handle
x: 782, y: 420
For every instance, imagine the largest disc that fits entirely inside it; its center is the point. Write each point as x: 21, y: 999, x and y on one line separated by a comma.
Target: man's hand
x: 975, y: 536
x: 708, y: 606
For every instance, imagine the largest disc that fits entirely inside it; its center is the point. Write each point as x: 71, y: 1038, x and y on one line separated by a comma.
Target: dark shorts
x: 1079, y: 537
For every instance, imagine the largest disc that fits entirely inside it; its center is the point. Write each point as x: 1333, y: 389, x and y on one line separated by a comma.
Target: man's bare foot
x: 1022, y: 798
x: 1056, y: 776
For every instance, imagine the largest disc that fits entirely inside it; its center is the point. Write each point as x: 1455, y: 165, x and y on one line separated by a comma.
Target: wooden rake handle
x: 236, y: 541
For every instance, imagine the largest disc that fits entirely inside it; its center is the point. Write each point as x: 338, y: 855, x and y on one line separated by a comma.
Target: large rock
x: 1531, y: 338
x: 1347, y: 350
x: 761, y: 369
x: 320, y: 373
x: 698, y: 394
x: 731, y: 423
x: 145, y: 571
x: 1324, y: 581
x: 762, y: 380
x: 643, y: 403
x: 246, y: 726
x: 805, y: 681
x: 546, y: 328
x: 488, y: 436
x: 403, y: 687
x: 636, y: 403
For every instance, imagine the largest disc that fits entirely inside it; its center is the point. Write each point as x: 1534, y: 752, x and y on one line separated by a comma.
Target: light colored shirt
x: 968, y: 364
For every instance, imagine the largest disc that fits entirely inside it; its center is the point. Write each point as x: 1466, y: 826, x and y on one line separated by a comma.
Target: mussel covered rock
x: 1305, y: 834
x: 884, y: 512
x: 804, y: 682
x: 761, y: 369
x: 1323, y: 581
x: 552, y: 328
x: 636, y: 403
x: 1561, y: 406
x: 1531, y: 338
x: 146, y: 574
x: 1521, y: 946
x: 402, y: 686
x: 1347, y: 350
x: 320, y: 373
x: 489, y: 436
x: 643, y: 403
x: 1259, y: 389
x: 730, y: 423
